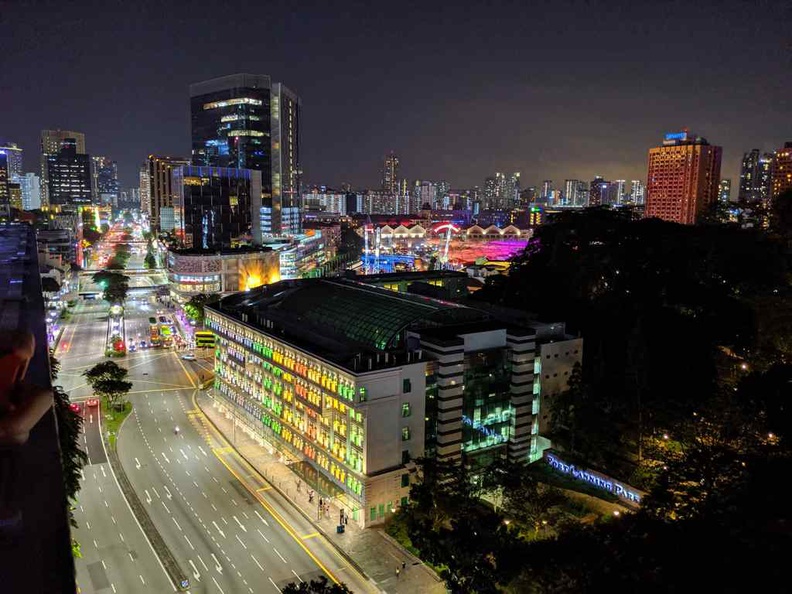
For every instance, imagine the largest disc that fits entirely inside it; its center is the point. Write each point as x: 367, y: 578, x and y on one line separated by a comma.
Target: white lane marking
x: 167, y: 492
x: 100, y: 488
x: 166, y: 458
x: 196, y: 575
x: 196, y: 484
x: 171, y: 449
x: 122, y: 536
x: 279, y: 555
x: 105, y: 501
x: 148, y: 497
x: 137, y: 463
x: 202, y: 562
x: 155, y: 491
x: 114, y: 520
x: 96, y: 545
x: 218, y: 567
x: 297, y: 576
x: 260, y: 518
x: 103, y: 564
x: 262, y: 535
x: 183, y: 454
x: 141, y: 579
x: 202, y: 450
x: 214, y: 478
x: 177, y: 524
x: 256, y: 562
x: 166, y: 507
x: 204, y: 494
x: 234, y: 502
x: 104, y: 474
x: 213, y: 506
x: 244, y: 546
x: 274, y: 584
x: 224, y: 521
x: 113, y: 587
x: 131, y: 558
x: 87, y: 525
x: 218, y: 585
x: 218, y: 529
x: 246, y: 516
x: 206, y: 469
x: 223, y: 490
x: 159, y: 429
x: 240, y: 524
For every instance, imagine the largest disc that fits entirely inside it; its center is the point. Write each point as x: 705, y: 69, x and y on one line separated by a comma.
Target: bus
x: 204, y: 339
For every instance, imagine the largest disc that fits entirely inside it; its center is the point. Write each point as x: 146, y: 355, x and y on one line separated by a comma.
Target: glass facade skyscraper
x: 213, y: 206
x: 245, y: 121
x: 68, y: 175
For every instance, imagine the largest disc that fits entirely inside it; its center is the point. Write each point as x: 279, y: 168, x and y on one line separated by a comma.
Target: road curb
x: 161, y: 550
x: 319, y: 529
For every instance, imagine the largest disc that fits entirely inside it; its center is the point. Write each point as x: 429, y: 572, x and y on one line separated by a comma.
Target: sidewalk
x: 372, y: 551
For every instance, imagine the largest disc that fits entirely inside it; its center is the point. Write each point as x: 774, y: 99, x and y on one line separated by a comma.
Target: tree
x: 318, y: 586
x: 781, y: 215
x: 194, y: 308
x: 106, y: 370
x: 113, y: 390
x: 73, y: 457
x: 115, y: 286
x: 150, y: 261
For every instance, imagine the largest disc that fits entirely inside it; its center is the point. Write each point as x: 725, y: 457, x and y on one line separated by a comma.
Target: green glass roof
x: 370, y: 316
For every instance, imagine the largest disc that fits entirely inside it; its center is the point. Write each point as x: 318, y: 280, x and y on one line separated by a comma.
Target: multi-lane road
x: 228, y: 530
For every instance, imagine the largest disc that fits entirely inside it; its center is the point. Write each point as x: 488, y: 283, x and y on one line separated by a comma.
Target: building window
x: 405, y: 480
x: 381, y: 510
x: 373, y: 514
x: 406, y: 410
x: 405, y: 433
x: 406, y: 386
x: 404, y: 501
x: 405, y: 456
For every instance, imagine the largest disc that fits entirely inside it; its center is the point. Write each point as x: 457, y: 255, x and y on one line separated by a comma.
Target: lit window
x: 406, y: 386
x: 405, y: 433
x: 406, y: 410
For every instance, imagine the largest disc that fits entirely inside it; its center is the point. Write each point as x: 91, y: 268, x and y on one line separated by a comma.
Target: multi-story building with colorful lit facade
x: 352, y: 382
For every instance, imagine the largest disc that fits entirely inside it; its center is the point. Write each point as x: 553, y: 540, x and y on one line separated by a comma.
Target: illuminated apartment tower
x: 596, y: 188
x: 782, y: 170
x: 51, y: 141
x: 162, y: 190
x: 755, y: 173
x: 245, y: 121
x: 683, y: 177
x: 390, y: 174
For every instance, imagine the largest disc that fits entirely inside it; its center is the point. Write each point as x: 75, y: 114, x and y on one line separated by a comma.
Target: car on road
x: 143, y: 344
x: 76, y: 407
x: 188, y: 357
x: 92, y: 402
x: 132, y: 348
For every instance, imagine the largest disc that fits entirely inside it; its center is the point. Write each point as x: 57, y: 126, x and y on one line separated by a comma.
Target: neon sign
x: 623, y: 492
x: 676, y: 136
x: 490, y: 433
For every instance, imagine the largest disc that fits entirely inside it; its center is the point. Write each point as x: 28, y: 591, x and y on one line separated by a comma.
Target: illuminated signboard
x: 676, y: 136
x: 624, y: 492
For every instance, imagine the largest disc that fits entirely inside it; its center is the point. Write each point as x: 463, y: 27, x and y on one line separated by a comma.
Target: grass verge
x: 112, y: 420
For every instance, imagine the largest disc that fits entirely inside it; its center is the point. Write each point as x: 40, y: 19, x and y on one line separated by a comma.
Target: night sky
x: 553, y: 89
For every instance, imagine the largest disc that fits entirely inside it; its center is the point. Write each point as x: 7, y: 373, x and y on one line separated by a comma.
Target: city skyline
x: 509, y: 109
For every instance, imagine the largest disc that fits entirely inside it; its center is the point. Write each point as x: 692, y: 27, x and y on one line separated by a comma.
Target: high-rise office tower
x: 596, y: 188
x: 425, y: 194
x: 162, y: 190
x: 490, y: 192
x: 5, y: 191
x: 144, y: 185
x: 547, y: 187
x: 781, y: 176
x: 443, y: 188
x: 51, y: 141
x: 245, y: 121
x: 570, y: 192
x: 13, y: 154
x: 104, y: 176
x: 512, y: 198
x: 683, y: 178
x: 637, y: 192
x: 765, y: 177
x: 390, y: 174
x: 68, y: 175
x: 31, y: 191
x: 724, y: 191
x: 216, y: 208
x: 755, y: 174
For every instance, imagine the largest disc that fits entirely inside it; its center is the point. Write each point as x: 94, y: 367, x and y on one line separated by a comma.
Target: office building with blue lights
x: 245, y: 121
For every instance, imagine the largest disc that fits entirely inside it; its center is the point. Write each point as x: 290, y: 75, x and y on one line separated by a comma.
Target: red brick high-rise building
x: 682, y: 182
x: 781, y: 176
